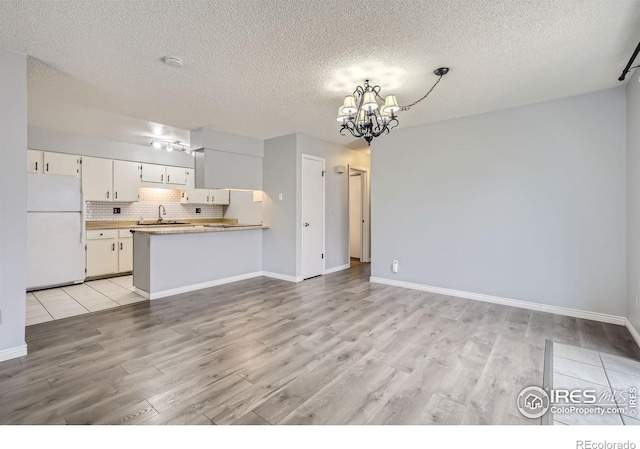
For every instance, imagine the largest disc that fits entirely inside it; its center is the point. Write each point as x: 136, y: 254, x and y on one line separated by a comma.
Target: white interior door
x: 312, y: 216
x: 355, y: 215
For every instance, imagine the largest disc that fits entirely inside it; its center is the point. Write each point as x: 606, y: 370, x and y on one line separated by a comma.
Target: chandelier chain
x: 407, y: 107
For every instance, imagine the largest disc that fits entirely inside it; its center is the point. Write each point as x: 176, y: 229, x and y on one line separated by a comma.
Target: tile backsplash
x: 147, y: 207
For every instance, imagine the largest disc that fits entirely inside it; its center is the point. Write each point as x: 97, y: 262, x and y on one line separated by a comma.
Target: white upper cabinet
x: 176, y: 175
x: 153, y: 173
x: 61, y: 164
x: 35, y: 160
x: 202, y: 196
x: 191, y: 194
x: 126, y: 181
x: 219, y: 197
x: 97, y: 175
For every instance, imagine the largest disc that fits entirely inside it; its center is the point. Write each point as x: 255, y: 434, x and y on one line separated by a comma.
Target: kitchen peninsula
x: 177, y: 259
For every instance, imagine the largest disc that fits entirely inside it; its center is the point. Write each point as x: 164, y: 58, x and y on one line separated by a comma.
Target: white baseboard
x: 142, y: 293
x: 634, y: 333
x: 338, y: 268
x: 200, y: 286
x: 282, y: 277
x: 576, y: 313
x: 12, y: 353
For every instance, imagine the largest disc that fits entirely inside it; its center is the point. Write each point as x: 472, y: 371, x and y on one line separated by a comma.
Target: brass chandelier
x: 364, y: 117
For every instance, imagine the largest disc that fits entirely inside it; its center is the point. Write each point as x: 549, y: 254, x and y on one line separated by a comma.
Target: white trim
x: 634, y: 333
x: 200, y: 286
x: 282, y: 277
x: 338, y: 268
x: 12, y: 353
x: 324, y: 217
x: 365, y: 250
x: 576, y: 313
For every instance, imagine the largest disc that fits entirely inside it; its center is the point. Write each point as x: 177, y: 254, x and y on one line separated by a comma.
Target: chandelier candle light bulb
x: 363, y: 117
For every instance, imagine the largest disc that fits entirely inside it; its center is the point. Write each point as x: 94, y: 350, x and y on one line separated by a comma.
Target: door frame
x: 324, y: 217
x: 366, y: 214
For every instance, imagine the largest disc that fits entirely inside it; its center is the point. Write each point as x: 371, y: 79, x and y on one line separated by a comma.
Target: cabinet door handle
x: 161, y: 177
x: 107, y: 194
x: 120, y: 246
x: 168, y: 180
x: 36, y: 166
x: 113, y: 247
x: 116, y: 195
x: 207, y: 198
x: 47, y: 168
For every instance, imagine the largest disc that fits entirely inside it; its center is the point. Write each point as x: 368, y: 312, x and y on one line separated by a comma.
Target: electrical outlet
x: 198, y: 210
x: 394, y: 266
x: 279, y: 196
x: 116, y: 210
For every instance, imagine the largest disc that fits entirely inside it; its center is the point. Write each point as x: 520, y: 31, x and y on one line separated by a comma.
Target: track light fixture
x: 170, y: 145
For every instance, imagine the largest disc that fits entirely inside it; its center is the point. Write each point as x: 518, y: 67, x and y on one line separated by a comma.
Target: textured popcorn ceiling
x: 269, y: 67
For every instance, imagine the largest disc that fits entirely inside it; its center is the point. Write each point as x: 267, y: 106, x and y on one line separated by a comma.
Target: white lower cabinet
x: 109, y: 252
x: 125, y: 254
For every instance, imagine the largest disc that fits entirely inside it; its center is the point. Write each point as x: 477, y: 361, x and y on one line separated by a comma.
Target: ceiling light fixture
x: 364, y: 117
x: 171, y: 145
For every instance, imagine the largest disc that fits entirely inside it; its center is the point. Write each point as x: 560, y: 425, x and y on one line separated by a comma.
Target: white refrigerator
x: 55, y: 231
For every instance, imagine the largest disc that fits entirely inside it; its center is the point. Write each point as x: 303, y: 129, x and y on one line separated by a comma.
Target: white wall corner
x: 576, y: 313
x: 632, y: 330
x: 12, y: 353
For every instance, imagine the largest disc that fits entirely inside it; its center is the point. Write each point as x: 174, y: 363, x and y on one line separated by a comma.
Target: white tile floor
x: 57, y: 303
x: 611, y: 376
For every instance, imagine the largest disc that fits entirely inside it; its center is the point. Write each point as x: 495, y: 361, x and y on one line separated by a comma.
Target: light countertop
x: 91, y: 225
x: 194, y: 229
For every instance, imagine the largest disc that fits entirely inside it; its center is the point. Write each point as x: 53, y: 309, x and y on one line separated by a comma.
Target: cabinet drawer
x: 125, y: 233
x: 102, y: 234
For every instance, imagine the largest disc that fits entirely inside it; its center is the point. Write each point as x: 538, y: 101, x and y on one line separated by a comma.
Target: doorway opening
x: 359, y: 225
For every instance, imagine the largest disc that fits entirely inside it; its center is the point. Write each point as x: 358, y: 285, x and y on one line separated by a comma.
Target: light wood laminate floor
x: 330, y: 350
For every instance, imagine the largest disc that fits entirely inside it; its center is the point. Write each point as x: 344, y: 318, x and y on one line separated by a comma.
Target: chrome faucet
x: 161, y: 211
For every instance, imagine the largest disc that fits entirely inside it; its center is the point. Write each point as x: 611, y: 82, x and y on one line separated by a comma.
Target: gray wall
x: 282, y: 168
x: 633, y: 200
x: 220, y: 140
x: 60, y: 142
x: 279, y: 174
x: 181, y: 260
x: 13, y: 201
x: 336, y: 195
x: 526, y: 203
x: 242, y: 207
